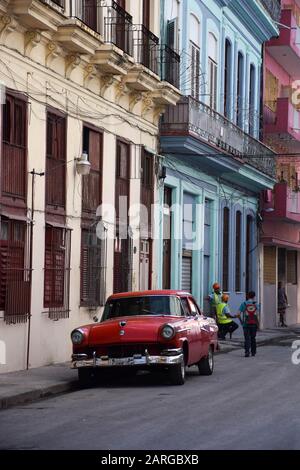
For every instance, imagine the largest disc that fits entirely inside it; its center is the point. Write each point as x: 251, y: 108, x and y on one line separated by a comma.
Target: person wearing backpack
x: 248, y: 314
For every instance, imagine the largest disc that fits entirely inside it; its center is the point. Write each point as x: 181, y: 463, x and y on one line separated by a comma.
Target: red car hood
x: 137, y: 329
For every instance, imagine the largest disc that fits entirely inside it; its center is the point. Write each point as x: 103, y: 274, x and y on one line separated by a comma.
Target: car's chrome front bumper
x: 168, y: 357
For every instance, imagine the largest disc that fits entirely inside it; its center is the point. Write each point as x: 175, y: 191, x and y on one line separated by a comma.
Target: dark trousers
x: 250, y: 339
x: 227, y: 328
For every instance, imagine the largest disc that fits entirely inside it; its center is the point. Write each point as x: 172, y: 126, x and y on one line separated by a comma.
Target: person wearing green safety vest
x: 214, y: 299
x: 224, y: 318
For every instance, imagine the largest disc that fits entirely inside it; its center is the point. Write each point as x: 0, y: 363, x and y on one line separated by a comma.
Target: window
x: 146, y: 190
x: 56, y: 161
x: 57, y: 271
x: 212, y: 70
x: 250, y: 247
x: 146, y: 13
x: 167, y: 237
x: 195, y: 70
x: 92, y: 183
x: 292, y: 271
x: 240, y: 91
x: 15, y: 275
x: 123, y: 243
x: 226, y: 227
x: 238, y: 248
x: 227, y: 82
x: 185, y: 306
x: 252, y: 116
x: 14, y: 149
x: 92, y: 269
x: 90, y: 8
x: 271, y: 91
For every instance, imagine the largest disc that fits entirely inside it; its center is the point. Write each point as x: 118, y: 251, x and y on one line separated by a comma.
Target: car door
x: 204, y: 328
x: 190, y: 327
x: 194, y: 331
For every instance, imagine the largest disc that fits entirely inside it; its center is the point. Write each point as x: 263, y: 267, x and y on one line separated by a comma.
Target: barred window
x: 238, y: 250
x: 57, y: 271
x: 15, y: 275
x: 92, y: 269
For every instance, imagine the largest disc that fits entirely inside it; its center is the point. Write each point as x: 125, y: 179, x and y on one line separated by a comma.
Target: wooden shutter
x: 195, y: 70
x: 146, y: 13
x: 14, y: 166
x: 270, y: 265
x: 90, y: 8
x: 271, y: 91
x: 56, y: 161
x: 92, y: 183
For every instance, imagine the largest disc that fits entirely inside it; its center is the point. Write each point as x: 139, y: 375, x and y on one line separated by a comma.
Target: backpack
x: 250, y: 314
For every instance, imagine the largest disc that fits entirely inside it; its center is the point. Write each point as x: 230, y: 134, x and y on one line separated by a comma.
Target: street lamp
x: 83, y: 166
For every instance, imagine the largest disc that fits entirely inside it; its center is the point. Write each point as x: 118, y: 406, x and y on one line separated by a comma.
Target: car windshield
x: 146, y: 305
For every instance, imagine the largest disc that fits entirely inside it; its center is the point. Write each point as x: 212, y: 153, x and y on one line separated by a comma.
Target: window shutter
x: 173, y: 34
x: 270, y: 265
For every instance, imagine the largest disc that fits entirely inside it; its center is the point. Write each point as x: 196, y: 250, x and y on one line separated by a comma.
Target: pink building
x: 280, y: 208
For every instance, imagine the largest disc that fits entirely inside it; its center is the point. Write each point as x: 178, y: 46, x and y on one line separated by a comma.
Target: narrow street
x: 248, y: 403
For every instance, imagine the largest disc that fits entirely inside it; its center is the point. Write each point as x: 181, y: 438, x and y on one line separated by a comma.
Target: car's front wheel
x: 206, y: 364
x: 177, y: 373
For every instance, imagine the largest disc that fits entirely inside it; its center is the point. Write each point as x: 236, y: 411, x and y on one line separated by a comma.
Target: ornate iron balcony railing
x: 146, y: 49
x: 118, y: 28
x: 192, y: 117
x: 170, y: 65
x: 273, y: 7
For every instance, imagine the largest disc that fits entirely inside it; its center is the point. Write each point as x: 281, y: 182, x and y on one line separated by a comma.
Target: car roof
x: 149, y: 293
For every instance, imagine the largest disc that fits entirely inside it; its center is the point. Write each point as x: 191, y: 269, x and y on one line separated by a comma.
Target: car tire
x: 177, y: 373
x: 206, y: 364
x: 86, y: 377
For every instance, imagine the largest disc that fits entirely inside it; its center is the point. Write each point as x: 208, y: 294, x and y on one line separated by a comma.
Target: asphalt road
x: 248, y: 403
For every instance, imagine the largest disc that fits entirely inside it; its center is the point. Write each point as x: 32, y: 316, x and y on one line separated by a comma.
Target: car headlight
x: 168, y: 332
x: 77, y: 337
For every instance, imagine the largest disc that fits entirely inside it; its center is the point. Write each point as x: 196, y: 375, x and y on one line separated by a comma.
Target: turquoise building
x: 215, y: 164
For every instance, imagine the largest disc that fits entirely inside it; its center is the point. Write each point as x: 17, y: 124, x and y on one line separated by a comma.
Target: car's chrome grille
x: 128, y: 350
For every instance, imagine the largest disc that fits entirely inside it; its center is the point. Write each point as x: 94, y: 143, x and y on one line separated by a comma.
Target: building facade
x: 216, y: 166
x: 281, y: 207
x: 82, y: 81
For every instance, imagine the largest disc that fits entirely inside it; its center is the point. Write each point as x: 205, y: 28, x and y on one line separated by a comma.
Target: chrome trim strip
x: 127, y: 361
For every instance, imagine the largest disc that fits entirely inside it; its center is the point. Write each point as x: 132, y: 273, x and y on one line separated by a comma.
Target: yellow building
x: 82, y: 81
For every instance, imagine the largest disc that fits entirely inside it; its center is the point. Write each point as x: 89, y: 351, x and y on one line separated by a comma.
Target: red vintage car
x: 144, y: 330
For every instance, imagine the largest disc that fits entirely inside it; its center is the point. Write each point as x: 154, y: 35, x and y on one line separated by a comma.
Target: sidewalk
x: 263, y: 337
x: 17, y: 388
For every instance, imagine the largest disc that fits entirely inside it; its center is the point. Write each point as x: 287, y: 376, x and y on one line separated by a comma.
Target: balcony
x: 281, y: 204
x: 286, y: 48
x: 195, y: 119
x: 282, y: 125
x: 36, y: 14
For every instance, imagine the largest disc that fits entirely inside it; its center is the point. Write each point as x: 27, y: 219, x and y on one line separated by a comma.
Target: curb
x: 37, y: 394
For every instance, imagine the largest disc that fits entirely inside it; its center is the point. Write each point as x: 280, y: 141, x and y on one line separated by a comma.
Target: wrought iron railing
x: 193, y: 117
x: 273, y: 7
x: 170, y: 65
x: 146, y: 49
x: 118, y: 28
